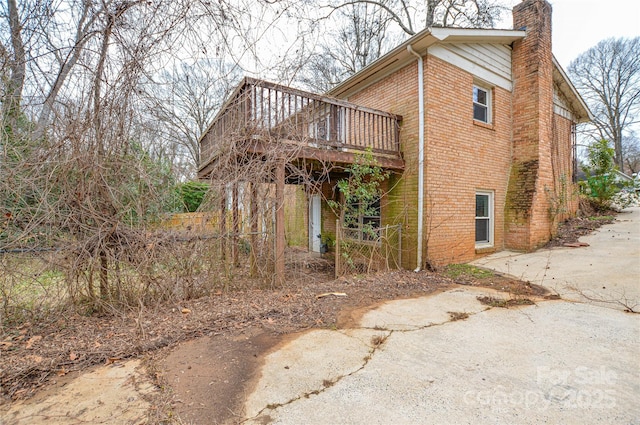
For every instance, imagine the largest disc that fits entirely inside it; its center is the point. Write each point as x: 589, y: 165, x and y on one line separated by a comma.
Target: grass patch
x: 466, y: 271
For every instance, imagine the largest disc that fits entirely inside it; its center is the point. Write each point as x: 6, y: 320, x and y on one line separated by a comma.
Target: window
x: 484, y: 219
x: 362, y: 221
x: 481, y: 104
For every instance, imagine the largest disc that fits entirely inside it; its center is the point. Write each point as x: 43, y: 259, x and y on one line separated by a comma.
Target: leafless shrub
x: 82, y: 197
x: 378, y: 340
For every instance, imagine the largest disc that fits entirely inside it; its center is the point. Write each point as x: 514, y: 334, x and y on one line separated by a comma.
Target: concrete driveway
x: 570, y: 361
x: 606, y: 272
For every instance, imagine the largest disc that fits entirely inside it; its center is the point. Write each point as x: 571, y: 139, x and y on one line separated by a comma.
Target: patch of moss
x: 502, y: 303
x: 466, y: 271
x: 601, y: 218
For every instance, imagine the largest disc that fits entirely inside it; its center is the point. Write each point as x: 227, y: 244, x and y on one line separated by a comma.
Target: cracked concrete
x: 547, y: 363
x: 555, y: 362
x: 310, y: 363
x: 320, y: 359
x: 412, y: 314
x: 607, y: 272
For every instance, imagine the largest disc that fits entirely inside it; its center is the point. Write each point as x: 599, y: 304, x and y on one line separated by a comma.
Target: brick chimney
x: 527, y: 222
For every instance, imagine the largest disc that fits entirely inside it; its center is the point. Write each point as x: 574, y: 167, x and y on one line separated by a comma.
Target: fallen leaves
x: 33, y: 340
x: 111, y: 360
x: 35, y: 359
x: 106, y: 339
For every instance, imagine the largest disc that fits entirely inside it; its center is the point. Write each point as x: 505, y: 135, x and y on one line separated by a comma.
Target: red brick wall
x: 528, y: 218
x: 523, y: 157
x: 462, y: 156
x: 398, y: 93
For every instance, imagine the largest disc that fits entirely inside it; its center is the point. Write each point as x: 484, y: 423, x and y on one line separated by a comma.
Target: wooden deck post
x: 236, y: 225
x: 338, y: 253
x: 254, y: 229
x: 280, y: 239
x: 223, y: 224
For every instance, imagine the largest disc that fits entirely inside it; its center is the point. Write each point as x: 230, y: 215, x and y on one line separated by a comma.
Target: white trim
x: 477, y: 35
x: 571, y: 93
x: 420, y: 156
x: 563, y: 112
x: 490, y: 195
x: 489, y: 102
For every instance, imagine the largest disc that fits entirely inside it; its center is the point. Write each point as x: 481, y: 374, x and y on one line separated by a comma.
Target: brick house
x: 477, y: 126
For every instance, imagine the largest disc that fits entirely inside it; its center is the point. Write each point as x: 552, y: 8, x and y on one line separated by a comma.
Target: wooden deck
x: 261, y: 116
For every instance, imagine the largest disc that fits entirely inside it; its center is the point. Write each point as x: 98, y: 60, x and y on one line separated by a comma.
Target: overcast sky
x: 580, y: 24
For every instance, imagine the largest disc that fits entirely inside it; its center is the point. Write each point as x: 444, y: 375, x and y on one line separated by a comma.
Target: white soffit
x: 486, y: 74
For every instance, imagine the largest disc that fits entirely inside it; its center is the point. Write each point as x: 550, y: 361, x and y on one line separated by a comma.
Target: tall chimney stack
x: 526, y: 211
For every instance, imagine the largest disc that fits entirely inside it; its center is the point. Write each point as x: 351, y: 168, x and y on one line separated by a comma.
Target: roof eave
x: 400, y: 56
x: 583, y: 114
x: 394, y: 59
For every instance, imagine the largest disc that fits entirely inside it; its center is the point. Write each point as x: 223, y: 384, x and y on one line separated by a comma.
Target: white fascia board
x: 477, y: 35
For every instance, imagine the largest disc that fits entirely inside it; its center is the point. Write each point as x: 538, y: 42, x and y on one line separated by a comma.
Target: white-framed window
x: 481, y: 104
x: 484, y: 218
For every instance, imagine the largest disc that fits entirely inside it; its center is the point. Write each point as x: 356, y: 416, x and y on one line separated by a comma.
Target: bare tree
x: 631, y: 153
x: 91, y: 170
x: 608, y: 77
x: 45, y: 41
x: 185, y: 99
x: 353, y: 34
x: 89, y: 185
x: 360, y: 37
x: 14, y: 58
x: 412, y: 16
x: 362, y: 40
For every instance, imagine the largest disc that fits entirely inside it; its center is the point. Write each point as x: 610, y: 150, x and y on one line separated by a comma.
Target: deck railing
x: 258, y: 109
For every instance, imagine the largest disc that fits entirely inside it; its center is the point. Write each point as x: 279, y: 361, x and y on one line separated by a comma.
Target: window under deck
x: 261, y: 116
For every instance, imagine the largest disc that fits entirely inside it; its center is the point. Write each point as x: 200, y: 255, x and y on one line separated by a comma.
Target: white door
x: 314, y: 223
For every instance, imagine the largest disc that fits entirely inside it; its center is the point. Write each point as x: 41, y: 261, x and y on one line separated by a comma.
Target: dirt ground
x: 211, y: 345
x: 571, y: 230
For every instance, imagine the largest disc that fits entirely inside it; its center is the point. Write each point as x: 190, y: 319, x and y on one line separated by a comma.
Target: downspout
x: 420, y: 154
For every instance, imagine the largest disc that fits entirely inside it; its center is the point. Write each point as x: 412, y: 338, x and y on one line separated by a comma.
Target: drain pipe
x: 420, y: 153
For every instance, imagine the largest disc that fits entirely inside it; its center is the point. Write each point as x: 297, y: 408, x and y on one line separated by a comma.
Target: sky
x: 580, y: 24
